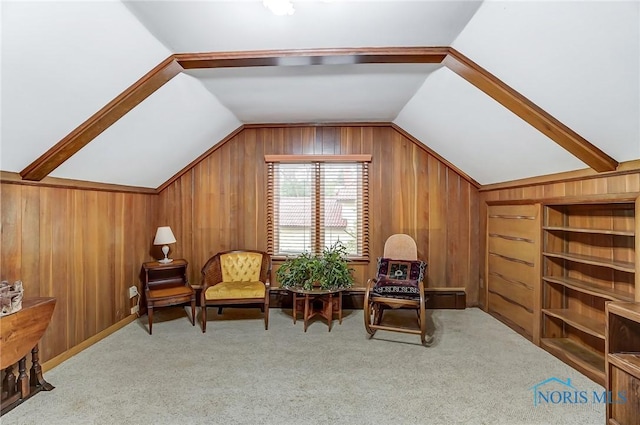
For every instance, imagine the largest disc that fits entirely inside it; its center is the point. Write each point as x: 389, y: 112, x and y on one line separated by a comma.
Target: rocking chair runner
x: 399, y: 284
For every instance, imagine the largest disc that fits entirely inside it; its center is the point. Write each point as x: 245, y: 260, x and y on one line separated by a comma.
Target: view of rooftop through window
x: 318, y: 200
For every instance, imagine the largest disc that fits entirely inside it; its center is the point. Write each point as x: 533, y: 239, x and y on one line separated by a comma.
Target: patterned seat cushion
x: 399, y: 277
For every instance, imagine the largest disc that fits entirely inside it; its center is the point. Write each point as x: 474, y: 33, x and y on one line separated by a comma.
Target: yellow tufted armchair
x: 236, y: 278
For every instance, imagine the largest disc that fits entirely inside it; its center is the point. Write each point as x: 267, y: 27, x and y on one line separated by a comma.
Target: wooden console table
x: 19, y: 334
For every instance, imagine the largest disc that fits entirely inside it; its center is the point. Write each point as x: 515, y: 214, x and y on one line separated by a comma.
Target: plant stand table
x: 317, y: 302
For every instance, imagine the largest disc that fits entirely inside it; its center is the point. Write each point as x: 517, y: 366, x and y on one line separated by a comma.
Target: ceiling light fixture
x: 279, y: 7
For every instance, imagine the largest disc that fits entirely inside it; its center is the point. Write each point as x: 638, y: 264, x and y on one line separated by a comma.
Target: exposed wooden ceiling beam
x: 454, y: 60
x: 344, y: 56
x: 101, y: 120
x: 175, y: 64
x: 529, y: 112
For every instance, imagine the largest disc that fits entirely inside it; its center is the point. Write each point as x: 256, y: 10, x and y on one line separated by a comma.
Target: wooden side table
x: 330, y: 302
x: 20, y: 333
x: 166, y: 284
x: 622, y: 362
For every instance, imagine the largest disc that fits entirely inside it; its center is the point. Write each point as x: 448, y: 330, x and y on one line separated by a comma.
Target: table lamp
x: 164, y: 236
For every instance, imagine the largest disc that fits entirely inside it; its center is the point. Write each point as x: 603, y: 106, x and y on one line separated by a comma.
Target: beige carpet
x: 478, y: 371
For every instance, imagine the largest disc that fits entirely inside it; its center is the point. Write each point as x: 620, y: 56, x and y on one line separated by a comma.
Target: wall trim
x: 57, y: 360
x: 573, y: 199
x: 627, y: 167
x: 8, y: 177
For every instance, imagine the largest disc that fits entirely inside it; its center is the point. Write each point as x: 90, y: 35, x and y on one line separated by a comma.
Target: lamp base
x: 165, y: 251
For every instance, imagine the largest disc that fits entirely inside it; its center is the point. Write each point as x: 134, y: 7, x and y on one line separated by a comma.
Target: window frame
x: 316, y: 160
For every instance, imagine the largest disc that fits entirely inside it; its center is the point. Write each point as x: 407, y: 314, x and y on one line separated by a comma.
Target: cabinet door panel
x: 524, y: 210
x: 518, y: 228
x: 512, y: 312
x: 627, y: 386
x: 519, y: 250
x: 514, y: 291
x: 513, y: 270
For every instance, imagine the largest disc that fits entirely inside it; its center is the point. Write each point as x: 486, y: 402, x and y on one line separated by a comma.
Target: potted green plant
x: 300, y: 271
x: 328, y: 271
x: 335, y: 272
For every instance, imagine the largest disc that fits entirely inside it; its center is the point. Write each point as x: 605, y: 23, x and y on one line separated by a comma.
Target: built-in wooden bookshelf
x: 513, y: 266
x: 589, y: 257
x: 623, y: 362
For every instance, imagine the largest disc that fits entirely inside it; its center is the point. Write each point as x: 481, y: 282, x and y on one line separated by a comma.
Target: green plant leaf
x: 331, y: 269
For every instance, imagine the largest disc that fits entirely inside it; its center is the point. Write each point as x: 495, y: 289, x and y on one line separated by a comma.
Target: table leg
x: 9, y: 382
x: 329, y: 306
x: 295, y: 307
x: 306, y: 311
x: 37, y: 380
x: 340, y: 306
x: 23, y: 378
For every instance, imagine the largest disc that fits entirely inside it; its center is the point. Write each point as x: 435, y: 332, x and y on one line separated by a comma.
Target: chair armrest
x: 369, y: 287
x: 207, y: 284
x: 423, y: 298
x: 211, y: 272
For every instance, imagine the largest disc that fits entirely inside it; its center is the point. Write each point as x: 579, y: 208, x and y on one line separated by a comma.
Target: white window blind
x: 313, y: 204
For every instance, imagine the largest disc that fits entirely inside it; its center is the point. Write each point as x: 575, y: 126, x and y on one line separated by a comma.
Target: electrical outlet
x: 134, y: 309
x: 133, y: 291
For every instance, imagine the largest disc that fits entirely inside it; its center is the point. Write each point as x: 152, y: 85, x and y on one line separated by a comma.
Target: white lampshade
x: 164, y: 236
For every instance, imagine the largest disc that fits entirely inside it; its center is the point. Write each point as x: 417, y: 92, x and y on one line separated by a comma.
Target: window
x: 314, y: 201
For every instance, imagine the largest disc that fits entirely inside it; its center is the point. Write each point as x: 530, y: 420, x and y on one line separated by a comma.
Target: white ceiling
x: 320, y: 93
x: 63, y: 61
x: 491, y: 144
x: 209, y: 26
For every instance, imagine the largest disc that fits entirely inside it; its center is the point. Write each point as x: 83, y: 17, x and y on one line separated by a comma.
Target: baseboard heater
x: 353, y: 298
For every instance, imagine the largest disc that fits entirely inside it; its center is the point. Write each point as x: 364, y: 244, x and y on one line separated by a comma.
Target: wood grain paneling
x: 567, y: 185
x: 220, y: 203
x: 83, y: 247
x: 513, y: 314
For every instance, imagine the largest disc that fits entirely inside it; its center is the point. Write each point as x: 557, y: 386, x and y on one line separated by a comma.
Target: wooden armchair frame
x: 212, y: 275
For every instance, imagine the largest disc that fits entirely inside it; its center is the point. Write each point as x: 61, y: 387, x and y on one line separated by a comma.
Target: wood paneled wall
x: 83, y: 247
x: 603, y: 186
x: 219, y: 204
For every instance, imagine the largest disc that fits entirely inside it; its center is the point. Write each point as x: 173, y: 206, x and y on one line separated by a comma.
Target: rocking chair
x: 398, y: 285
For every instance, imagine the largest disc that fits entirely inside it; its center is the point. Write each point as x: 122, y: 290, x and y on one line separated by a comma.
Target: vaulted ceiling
x: 578, y: 62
